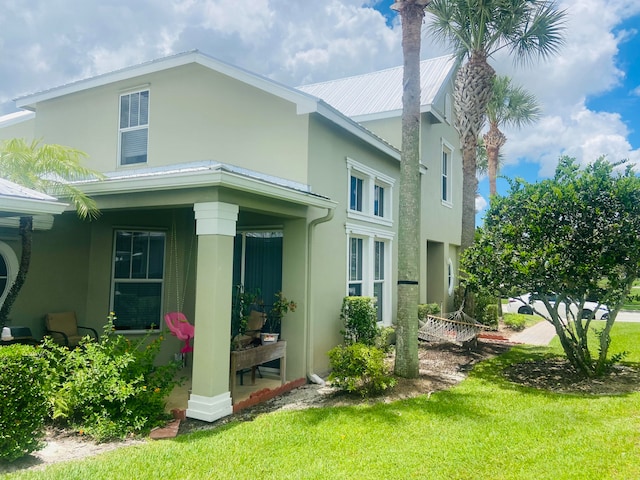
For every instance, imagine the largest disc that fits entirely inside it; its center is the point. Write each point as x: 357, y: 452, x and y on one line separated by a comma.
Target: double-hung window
x: 447, y: 194
x: 134, y: 127
x: 369, y: 194
x: 368, y: 251
x: 355, y: 266
x: 355, y: 193
x: 138, y: 279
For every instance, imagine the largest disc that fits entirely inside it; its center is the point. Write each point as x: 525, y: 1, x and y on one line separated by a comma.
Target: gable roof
x: 378, y: 94
x: 305, y: 103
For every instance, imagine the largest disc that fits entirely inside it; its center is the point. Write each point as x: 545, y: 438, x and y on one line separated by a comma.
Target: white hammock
x: 459, y: 328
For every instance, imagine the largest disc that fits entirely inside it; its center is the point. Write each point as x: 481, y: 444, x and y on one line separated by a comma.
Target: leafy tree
x: 407, y: 362
x: 47, y: 168
x: 477, y: 29
x: 510, y: 105
x: 574, y: 235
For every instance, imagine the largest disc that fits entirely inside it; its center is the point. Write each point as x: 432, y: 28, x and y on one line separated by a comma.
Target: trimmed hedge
x: 23, y: 405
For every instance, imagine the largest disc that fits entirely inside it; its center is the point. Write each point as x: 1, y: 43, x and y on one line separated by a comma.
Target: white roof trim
x: 305, y: 103
x: 20, y: 206
x: 204, y: 174
x: 16, y: 117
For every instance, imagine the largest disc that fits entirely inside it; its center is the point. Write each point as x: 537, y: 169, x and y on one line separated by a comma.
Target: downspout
x: 309, y: 337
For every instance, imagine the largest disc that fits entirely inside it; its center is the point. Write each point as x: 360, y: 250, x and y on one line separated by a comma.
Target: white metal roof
x: 380, y: 93
x: 18, y: 200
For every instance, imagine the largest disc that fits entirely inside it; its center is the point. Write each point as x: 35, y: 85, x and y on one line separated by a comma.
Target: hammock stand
x: 458, y: 328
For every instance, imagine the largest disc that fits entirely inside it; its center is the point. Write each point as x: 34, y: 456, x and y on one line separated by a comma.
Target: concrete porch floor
x: 179, y: 396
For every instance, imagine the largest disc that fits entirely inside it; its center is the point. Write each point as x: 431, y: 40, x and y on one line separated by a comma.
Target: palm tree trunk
x: 407, y: 363
x: 26, y: 233
x: 473, y: 89
x: 494, y: 139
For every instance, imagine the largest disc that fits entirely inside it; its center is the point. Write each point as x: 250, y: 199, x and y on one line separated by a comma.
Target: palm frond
x: 50, y: 169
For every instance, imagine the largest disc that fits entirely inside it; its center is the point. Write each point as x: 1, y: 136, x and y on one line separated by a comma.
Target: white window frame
x: 11, y: 260
x: 370, y: 236
x: 370, y: 179
x: 446, y: 179
x: 139, y: 126
x: 162, y: 281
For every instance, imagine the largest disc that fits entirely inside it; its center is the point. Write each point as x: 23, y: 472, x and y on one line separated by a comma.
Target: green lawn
x: 484, y: 428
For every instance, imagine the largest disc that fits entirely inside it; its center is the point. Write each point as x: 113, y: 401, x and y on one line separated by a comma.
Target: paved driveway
x: 628, y: 316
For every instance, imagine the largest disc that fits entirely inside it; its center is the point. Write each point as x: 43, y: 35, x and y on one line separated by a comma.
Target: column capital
x: 216, y: 218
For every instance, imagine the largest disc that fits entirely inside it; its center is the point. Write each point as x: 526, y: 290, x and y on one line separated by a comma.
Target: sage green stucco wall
x: 328, y: 152
x: 22, y: 129
x: 194, y: 114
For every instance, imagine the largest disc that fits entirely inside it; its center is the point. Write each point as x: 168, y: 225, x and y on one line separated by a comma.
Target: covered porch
x: 229, y: 208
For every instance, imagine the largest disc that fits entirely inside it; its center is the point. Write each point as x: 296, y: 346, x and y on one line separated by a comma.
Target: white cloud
x: 586, y: 66
x: 46, y: 43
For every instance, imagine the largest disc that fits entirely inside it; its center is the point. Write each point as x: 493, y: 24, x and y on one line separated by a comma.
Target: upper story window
x: 370, y: 194
x: 356, y: 193
x: 378, y: 200
x: 134, y: 127
x: 138, y: 279
x: 447, y: 194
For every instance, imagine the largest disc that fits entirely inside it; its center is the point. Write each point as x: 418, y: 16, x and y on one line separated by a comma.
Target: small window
x: 138, y: 279
x: 355, y: 267
x: 134, y: 127
x: 356, y: 194
x: 378, y: 278
x: 378, y: 201
x: 446, y: 175
x: 451, y: 278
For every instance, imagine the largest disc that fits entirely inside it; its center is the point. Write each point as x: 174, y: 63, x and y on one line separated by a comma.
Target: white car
x: 529, y: 302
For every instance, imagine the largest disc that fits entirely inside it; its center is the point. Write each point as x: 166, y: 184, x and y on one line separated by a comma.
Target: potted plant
x: 273, y: 322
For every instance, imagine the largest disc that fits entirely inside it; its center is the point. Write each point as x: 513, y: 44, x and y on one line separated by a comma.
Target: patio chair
x: 179, y: 327
x: 64, y: 329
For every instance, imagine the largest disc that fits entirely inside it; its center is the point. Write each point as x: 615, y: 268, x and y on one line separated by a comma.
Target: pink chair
x: 181, y: 328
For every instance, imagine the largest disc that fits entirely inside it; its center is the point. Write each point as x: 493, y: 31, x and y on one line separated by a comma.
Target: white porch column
x: 216, y: 227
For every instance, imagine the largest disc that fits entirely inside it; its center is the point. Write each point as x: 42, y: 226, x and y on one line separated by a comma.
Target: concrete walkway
x: 540, y: 334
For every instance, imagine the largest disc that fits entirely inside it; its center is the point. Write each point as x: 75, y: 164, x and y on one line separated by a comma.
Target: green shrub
x: 515, y: 321
x: 111, y: 388
x: 359, y: 368
x: 23, y: 407
x: 425, y: 309
x: 490, y: 315
x: 360, y: 320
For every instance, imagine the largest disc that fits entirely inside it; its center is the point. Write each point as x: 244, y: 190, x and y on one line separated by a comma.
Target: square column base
x: 209, y: 409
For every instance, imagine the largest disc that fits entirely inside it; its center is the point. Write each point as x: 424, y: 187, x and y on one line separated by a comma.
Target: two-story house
x: 217, y: 177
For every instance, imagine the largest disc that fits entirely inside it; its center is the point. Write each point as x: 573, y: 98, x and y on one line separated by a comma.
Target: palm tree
x: 407, y: 363
x: 477, y: 29
x: 509, y: 105
x: 48, y: 169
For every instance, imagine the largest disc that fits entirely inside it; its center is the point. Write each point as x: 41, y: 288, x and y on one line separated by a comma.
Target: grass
x: 484, y: 428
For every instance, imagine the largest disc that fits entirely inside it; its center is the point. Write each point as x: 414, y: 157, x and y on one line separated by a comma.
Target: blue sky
x: 589, y: 93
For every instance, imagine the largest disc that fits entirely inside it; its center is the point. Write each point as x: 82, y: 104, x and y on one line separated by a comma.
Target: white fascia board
x: 204, y: 179
x: 28, y: 206
x: 15, y: 118
x: 358, y: 130
x: 304, y: 103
